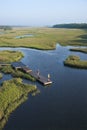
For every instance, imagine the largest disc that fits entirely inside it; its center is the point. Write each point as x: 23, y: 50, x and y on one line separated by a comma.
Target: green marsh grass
x: 1, y: 75
x: 44, y: 38
x: 12, y: 94
x: 74, y: 61
x: 10, y: 56
x: 16, y: 73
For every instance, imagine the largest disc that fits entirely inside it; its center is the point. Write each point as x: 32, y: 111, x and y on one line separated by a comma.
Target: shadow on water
x: 63, y: 105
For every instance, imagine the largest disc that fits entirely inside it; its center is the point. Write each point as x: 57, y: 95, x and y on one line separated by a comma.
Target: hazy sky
x: 42, y: 12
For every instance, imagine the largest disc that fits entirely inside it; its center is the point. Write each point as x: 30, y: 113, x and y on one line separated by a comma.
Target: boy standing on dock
x: 48, y: 77
x: 38, y: 73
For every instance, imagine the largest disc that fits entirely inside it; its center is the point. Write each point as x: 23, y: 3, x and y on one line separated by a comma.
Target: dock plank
x: 41, y: 78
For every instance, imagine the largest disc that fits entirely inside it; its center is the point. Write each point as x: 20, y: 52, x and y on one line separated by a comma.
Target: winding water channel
x: 63, y: 105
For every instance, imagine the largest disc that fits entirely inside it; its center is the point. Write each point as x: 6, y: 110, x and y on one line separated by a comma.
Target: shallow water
x: 24, y: 36
x: 61, y: 106
x: 2, y: 33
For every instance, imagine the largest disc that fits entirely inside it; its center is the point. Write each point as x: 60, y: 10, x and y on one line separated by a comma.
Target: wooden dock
x: 40, y: 78
x: 36, y: 75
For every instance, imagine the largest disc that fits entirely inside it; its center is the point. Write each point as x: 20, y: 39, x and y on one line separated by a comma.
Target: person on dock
x: 48, y: 77
x: 38, y: 73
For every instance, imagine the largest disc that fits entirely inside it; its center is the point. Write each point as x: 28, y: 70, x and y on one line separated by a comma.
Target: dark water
x: 61, y: 106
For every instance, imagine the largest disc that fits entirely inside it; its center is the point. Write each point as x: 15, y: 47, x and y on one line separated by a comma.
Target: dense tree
x: 6, y: 27
x: 71, y: 25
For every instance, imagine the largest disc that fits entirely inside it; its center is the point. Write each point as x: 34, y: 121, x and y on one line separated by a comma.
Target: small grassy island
x: 74, y: 61
x: 12, y: 93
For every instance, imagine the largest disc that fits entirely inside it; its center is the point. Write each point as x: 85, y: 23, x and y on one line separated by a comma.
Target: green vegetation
x: 16, y: 73
x: 84, y: 50
x: 74, y: 61
x: 12, y: 94
x: 22, y: 75
x: 1, y: 76
x: 36, y: 92
x: 43, y: 38
x: 10, y: 56
x: 6, y: 69
x: 71, y: 25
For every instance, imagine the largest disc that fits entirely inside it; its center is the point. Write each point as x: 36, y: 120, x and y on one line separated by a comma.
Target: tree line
x: 5, y: 27
x: 71, y: 25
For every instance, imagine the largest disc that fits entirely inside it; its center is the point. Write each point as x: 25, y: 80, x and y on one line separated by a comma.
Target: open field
x: 43, y: 38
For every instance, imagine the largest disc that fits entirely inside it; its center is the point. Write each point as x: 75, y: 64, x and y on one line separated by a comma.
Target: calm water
x: 61, y: 106
x: 2, y: 33
x: 24, y: 36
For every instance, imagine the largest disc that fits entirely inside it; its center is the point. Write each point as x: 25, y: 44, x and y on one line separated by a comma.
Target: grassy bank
x: 43, y: 38
x: 12, y: 94
x: 84, y: 50
x: 10, y: 56
x: 74, y: 61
